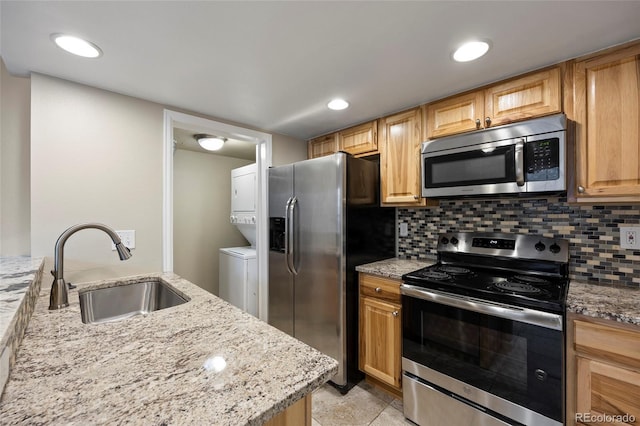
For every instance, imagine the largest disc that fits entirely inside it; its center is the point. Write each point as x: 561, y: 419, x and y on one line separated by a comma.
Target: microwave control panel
x: 542, y: 160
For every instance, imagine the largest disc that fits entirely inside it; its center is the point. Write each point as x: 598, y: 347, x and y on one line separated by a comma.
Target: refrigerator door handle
x: 287, y: 246
x: 291, y: 255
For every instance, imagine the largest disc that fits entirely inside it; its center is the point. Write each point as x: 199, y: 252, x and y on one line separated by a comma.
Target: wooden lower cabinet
x: 299, y: 414
x: 603, y: 372
x: 380, y: 352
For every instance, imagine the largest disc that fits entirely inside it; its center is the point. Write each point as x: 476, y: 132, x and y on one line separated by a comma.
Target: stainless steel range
x: 483, y: 337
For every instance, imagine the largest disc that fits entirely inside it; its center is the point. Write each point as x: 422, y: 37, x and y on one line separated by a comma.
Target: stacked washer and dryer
x: 238, y: 265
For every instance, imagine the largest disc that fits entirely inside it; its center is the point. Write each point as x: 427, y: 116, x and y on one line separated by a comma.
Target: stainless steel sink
x: 124, y: 301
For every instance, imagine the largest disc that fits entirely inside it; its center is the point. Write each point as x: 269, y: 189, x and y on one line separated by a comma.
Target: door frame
x: 263, y: 159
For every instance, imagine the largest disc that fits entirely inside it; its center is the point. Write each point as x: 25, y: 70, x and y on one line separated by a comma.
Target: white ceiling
x: 274, y: 65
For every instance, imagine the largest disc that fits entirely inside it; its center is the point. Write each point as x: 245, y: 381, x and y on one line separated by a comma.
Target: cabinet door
x: 362, y: 139
x: 400, y: 159
x: 323, y: 145
x: 607, y: 113
x: 380, y: 340
x: 455, y: 115
x: 523, y: 98
x: 606, y: 390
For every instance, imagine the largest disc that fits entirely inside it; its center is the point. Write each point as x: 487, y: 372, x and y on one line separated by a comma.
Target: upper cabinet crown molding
x: 517, y: 99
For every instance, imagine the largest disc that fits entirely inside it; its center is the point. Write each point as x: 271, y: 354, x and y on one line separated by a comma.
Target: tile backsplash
x: 592, y: 231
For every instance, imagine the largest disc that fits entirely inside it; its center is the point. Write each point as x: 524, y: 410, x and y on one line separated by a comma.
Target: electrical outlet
x: 128, y: 238
x: 404, y: 229
x: 630, y: 237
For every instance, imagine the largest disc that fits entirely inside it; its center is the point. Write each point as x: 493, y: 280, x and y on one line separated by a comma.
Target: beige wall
x: 287, y: 150
x: 201, y: 208
x: 96, y: 156
x: 14, y: 164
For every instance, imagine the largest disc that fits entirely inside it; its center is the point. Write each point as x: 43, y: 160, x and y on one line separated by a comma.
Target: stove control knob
x: 454, y: 241
x: 444, y: 240
x: 540, y: 246
x: 554, y: 248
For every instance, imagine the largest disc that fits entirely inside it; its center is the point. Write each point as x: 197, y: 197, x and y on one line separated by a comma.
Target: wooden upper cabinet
x: 607, y: 115
x: 455, y: 115
x: 323, y: 145
x: 530, y: 96
x: 362, y: 139
x: 523, y: 98
x: 400, y: 159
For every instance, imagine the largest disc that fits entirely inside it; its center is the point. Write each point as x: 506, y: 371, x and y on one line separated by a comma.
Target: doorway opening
x: 176, y: 123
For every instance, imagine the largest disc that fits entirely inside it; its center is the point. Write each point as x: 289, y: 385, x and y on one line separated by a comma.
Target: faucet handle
x: 71, y: 286
x: 53, y: 272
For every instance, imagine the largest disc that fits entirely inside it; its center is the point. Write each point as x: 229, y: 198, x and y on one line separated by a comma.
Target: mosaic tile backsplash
x: 592, y: 231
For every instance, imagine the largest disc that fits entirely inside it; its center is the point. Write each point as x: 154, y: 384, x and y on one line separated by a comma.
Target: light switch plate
x: 630, y: 237
x: 404, y: 229
x: 128, y: 238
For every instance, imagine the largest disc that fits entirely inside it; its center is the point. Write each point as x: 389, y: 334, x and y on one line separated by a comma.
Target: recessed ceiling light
x: 338, y: 104
x: 76, y: 45
x: 470, y: 51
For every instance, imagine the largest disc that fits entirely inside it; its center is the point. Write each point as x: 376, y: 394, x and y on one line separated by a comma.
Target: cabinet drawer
x: 380, y: 287
x: 608, y: 343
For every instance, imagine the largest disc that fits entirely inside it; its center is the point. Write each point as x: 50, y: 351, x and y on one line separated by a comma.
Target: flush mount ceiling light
x: 210, y: 143
x: 76, y: 46
x: 470, y: 51
x: 338, y: 104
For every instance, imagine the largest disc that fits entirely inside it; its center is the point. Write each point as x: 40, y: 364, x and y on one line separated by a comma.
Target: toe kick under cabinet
x: 380, y: 352
x: 603, y: 372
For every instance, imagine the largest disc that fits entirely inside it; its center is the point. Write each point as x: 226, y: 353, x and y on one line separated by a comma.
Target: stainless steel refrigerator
x: 325, y: 219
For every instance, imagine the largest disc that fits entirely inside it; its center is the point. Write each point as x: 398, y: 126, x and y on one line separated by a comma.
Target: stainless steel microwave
x: 525, y: 158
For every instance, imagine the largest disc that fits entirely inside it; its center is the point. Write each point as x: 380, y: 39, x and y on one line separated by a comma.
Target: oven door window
x: 519, y: 362
x: 474, y: 167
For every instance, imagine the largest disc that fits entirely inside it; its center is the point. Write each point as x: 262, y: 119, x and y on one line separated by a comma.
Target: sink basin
x: 124, y: 301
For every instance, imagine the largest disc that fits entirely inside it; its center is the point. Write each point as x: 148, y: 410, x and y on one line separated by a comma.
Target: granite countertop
x: 621, y: 304
x: 150, y: 369
x: 393, y: 268
x: 20, y: 278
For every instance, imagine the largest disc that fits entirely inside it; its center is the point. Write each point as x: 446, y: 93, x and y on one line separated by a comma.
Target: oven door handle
x: 516, y: 313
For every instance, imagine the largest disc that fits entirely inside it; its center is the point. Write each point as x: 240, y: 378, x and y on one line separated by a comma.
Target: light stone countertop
x: 149, y: 369
x: 20, y: 278
x: 620, y: 304
x: 393, y: 268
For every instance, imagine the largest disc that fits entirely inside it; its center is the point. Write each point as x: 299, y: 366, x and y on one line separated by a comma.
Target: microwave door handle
x: 520, y: 162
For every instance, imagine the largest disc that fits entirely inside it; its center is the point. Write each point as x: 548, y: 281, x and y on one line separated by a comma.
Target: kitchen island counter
x: 202, y: 362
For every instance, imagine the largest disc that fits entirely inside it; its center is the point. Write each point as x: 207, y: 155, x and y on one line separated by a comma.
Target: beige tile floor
x: 363, y: 405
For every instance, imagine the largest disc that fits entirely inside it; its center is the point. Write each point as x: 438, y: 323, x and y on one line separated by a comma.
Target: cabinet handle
x: 487, y: 121
x: 415, y: 197
x: 581, y: 189
x: 477, y: 123
x: 378, y: 289
x: 394, y: 313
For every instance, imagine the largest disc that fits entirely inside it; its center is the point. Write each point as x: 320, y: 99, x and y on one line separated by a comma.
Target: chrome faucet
x: 59, y: 293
